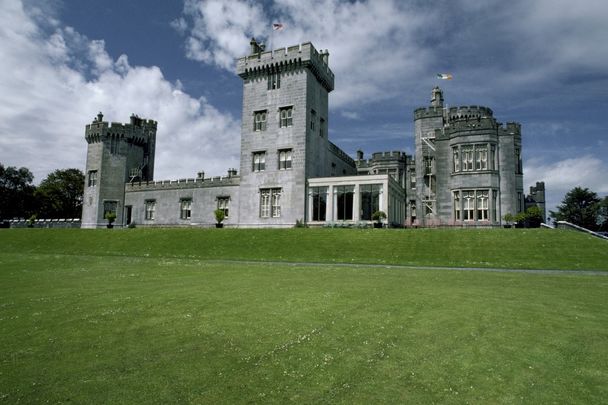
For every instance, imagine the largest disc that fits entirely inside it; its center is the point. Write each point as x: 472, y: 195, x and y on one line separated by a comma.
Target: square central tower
x: 284, y: 139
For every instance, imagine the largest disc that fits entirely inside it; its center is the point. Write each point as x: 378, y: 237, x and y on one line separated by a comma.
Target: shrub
x: 219, y: 215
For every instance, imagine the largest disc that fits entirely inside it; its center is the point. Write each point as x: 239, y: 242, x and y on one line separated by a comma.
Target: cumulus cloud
x: 562, y: 176
x: 53, y: 85
x: 372, y: 44
x: 385, y: 49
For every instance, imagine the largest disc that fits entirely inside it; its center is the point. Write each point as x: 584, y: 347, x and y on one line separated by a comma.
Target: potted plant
x: 219, y: 217
x: 31, y: 220
x: 508, y: 217
x: 111, y: 217
x: 378, y: 216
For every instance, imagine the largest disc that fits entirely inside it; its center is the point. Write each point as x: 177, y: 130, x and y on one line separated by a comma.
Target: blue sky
x: 543, y: 63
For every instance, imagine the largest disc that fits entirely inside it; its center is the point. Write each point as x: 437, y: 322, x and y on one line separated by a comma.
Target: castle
x: 467, y: 168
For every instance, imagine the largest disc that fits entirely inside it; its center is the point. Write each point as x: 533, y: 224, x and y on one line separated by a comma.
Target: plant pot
x: 507, y: 226
x: 110, y: 226
x: 377, y: 225
x: 219, y: 225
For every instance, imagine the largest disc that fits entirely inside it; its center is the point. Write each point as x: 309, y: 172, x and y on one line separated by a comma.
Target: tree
x: 60, y: 194
x: 16, y: 192
x: 580, y: 206
x: 602, y: 215
x: 531, y: 218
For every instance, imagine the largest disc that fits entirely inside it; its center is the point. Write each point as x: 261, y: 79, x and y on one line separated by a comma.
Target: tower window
x: 286, y: 119
x: 109, y: 207
x: 285, y: 159
x: 482, y: 205
x: 92, y: 178
x: 481, y: 157
x: 259, y: 161
x: 274, y: 80
x: 313, y: 119
x: 259, y: 120
x: 321, y: 127
x: 456, y: 157
x: 457, y: 205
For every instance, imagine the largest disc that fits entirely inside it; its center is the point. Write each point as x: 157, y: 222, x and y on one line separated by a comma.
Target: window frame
x: 92, y: 178
x: 285, y: 159
x: 270, y: 202
x: 260, y: 164
x: 150, y: 210
x: 223, y: 203
x: 260, y: 119
x: 185, y: 209
x: 286, y: 116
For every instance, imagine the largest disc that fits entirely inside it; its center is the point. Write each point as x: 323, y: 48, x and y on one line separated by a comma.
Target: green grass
x: 141, y: 316
x: 499, y: 248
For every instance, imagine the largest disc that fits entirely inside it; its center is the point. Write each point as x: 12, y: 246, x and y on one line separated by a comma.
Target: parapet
x: 466, y: 113
x: 341, y: 154
x: 138, y: 130
x: 428, y: 112
x: 226, y: 181
x: 283, y: 59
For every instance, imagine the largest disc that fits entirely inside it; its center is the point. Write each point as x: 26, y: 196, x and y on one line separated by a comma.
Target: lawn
x: 142, y: 316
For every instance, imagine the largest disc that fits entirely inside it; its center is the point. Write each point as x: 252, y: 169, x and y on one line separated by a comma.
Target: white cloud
x: 562, y: 176
x: 372, y: 44
x: 53, y: 85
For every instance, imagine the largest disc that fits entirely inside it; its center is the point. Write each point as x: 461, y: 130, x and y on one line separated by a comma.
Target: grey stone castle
x: 467, y: 168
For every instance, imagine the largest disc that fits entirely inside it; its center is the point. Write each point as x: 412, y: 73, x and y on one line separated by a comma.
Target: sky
x: 543, y: 63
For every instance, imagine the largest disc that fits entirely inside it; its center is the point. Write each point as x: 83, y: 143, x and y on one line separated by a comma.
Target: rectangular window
x: 518, y: 165
x: 285, y: 159
x: 150, y: 208
x: 457, y: 205
x: 109, y: 206
x: 321, y: 127
x: 319, y: 203
x: 286, y: 119
x: 274, y: 80
x: 113, y: 144
x: 492, y: 157
x: 482, y: 205
x: 185, y: 209
x: 370, y: 200
x: 92, y: 178
x: 413, y: 179
x: 481, y: 157
x: 223, y: 204
x: 468, y: 197
x: 413, y: 209
x: 313, y: 119
x: 494, y: 198
x: 519, y: 202
x: 456, y: 158
x: 270, y: 202
x: 428, y: 165
x: 345, y: 202
x: 467, y: 158
x: 259, y: 161
x: 259, y: 121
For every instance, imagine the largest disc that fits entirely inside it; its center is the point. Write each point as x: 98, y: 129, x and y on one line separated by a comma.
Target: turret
x: 116, y: 154
x: 437, y: 97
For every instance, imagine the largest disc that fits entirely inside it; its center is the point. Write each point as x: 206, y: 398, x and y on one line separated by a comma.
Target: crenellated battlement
x: 428, y: 112
x: 189, y: 183
x: 138, y: 131
x: 468, y: 113
x: 285, y: 59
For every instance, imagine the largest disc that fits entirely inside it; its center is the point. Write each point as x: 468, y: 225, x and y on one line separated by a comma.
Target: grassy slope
x: 140, y: 316
x: 502, y: 248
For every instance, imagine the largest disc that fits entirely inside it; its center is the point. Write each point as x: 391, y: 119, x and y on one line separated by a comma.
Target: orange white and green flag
x: 444, y: 76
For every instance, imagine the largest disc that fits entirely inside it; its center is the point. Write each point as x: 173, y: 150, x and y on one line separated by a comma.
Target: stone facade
x: 290, y: 171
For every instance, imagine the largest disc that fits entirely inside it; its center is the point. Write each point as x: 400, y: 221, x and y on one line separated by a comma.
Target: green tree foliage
x: 580, y: 206
x: 60, y: 194
x: 16, y: 192
x: 531, y: 218
x: 602, y: 215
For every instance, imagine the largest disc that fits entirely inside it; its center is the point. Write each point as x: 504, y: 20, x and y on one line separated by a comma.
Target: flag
x: 277, y: 27
x: 444, y: 76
